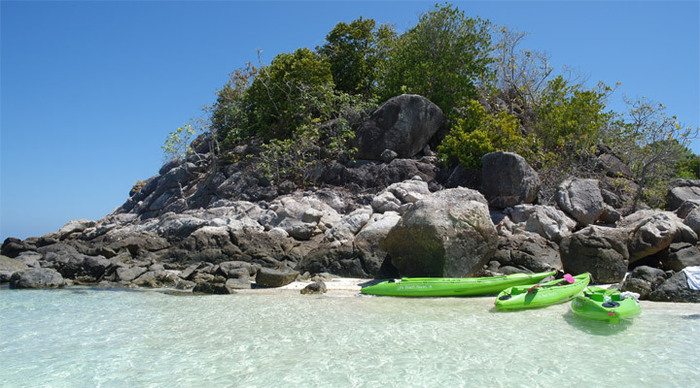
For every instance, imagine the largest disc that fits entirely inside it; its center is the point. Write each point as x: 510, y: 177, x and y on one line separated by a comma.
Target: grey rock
x: 529, y: 251
x: 508, y: 180
x: 685, y: 209
x: 546, y: 221
x: 403, y: 124
x: 681, y: 255
x: 12, y: 247
x: 231, y: 269
x: 448, y: 233
x: 36, y: 278
x: 636, y: 285
x: 682, y: 191
x: 388, y: 155
x: 581, y: 199
x: 9, y: 266
x: 74, y: 226
x: 96, y: 266
x: 369, y: 240
x: 692, y: 220
x: 213, y: 288
x: 653, y: 231
x: 127, y: 274
x: 268, y: 277
x: 31, y: 259
x: 675, y: 289
x: 318, y: 287
x: 598, y: 250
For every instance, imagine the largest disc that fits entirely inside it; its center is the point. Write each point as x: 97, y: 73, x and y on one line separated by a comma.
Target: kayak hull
x: 546, y: 294
x: 599, y: 304
x: 446, y: 287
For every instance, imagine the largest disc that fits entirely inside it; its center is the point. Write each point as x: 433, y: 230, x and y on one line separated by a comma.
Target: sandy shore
x: 350, y: 287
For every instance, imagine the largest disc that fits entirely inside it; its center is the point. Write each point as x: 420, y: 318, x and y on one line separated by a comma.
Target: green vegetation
x: 442, y: 58
x: 301, y: 110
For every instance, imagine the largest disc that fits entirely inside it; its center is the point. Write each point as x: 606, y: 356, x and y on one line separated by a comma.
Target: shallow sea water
x: 84, y: 337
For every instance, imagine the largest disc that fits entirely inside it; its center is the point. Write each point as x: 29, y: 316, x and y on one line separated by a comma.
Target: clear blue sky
x: 89, y: 90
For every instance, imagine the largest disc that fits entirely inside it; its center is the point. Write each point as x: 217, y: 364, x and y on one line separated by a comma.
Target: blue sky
x: 89, y: 90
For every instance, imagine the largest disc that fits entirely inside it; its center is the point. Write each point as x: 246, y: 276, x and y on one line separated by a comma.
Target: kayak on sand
x: 605, y: 305
x: 434, y: 287
x: 542, y: 295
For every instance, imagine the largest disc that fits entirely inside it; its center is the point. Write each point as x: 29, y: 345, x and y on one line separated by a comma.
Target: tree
x: 442, y: 58
x: 653, y: 143
x: 293, y: 90
x: 519, y: 77
x: 354, y: 52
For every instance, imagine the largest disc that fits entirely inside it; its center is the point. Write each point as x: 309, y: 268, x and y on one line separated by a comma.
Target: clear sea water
x: 85, y: 338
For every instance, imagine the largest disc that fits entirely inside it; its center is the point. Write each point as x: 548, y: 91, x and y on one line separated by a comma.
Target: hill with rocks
x: 219, y: 227
x: 384, y: 154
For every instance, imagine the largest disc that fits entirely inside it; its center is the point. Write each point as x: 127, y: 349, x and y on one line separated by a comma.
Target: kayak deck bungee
x: 438, y: 287
x: 605, y: 305
x: 545, y: 294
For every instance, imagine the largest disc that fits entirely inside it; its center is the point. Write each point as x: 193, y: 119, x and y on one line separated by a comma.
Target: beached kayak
x: 432, y: 287
x: 545, y: 294
x: 605, y: 305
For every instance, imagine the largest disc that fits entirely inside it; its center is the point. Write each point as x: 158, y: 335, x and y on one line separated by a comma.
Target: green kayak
x: 605, y: 305
x: 431, y: 287
x: 541, y: 295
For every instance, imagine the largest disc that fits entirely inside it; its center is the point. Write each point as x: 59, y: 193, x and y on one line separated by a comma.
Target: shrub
x: 355, y: 52
x: 293, y: 90
x: 477, y: 132
x: 177, y: 144
x: 442, y: 58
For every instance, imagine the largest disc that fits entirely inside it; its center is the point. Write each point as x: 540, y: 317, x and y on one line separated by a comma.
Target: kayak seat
x: 597, y: 297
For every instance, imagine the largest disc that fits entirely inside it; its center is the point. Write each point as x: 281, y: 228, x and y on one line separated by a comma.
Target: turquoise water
x: 107, y: 338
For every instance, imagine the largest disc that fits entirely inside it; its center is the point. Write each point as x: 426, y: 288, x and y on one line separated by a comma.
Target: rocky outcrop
x: 403, y: 124
x: 368, y: 241
x: 507, y: 180
x: 527, y: 251
x: 37, y: 278
x: 397, y: 197
x: 653, y: 231
x: 675, y: 289
x: 682, y: 190
x: 681, y: 255
x: 268, y: 277
x: 643, y: 280
x: 581, y: 199
x: 546, y: 221
x: 598, y: 250
x: 448, y: 233
x: 9, y: 266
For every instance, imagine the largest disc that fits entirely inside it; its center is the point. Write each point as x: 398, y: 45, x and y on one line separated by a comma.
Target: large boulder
x: 598, y: 250
x: 682, y: 190
x: 36, y: 278
x: 581, y: 199
x: 9, y: 266
x: 643, y: 280
x: 507, y: 180
x: 692, y: 219
x: 448, y: 233
x: 268, y: 277
x: 528, y: 251
x: 652, y: 231
x: 368, y: 241
x: 681, y: 255
x: 547, y: 221
x: 398, y: 194
x: 676, y: 289
x: 404, y: 124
